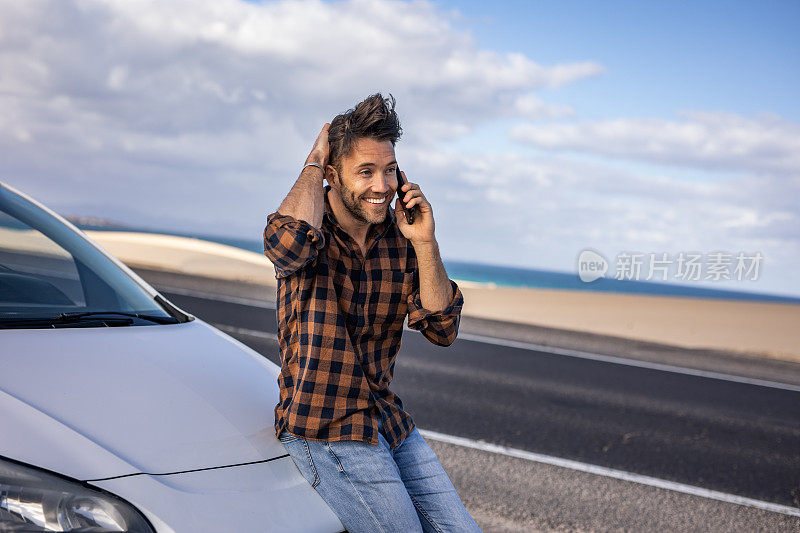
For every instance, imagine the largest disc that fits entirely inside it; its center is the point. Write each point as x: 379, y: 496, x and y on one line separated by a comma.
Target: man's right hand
x: 321, y: 149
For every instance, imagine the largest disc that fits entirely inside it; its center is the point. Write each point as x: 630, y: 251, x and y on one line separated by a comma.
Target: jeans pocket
x: 287, y: 437
x: 335, y: 457
x: 311, y: 464
x: 301, y: 455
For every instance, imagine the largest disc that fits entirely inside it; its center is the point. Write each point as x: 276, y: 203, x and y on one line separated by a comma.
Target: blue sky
x: 536, y: 129
x: 660, y: 56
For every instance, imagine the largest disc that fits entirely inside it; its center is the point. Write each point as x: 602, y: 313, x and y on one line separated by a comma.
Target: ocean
x: 507, y: 276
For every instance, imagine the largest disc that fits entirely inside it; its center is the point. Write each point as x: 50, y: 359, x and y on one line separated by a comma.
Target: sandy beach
x: 756, y: 328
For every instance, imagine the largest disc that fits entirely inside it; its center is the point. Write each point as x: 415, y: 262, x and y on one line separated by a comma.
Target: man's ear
x: 332, y: 176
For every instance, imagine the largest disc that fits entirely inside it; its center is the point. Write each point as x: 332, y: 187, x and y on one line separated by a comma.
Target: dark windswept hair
x: 374, y: 117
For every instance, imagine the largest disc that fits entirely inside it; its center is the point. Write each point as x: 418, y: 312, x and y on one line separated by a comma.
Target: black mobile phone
x: 400, y: 193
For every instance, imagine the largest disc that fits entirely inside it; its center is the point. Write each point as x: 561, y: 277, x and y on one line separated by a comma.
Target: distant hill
x: 85, y: 222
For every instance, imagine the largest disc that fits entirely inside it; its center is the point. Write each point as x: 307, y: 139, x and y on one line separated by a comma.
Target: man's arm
x: 434, y: 286
x: 305, y: 200
x: 293, y: 235
x: 435, y: 308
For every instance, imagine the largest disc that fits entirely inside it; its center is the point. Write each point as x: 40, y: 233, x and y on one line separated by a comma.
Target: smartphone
x: 400, y: 193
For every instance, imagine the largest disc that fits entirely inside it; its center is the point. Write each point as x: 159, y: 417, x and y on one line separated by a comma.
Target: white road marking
x: 610, y: 472
x: 568, y: 463
x: 625, y: 361
x: 245, y: 331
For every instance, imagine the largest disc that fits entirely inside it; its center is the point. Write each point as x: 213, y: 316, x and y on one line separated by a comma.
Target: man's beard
x: 355, y: 206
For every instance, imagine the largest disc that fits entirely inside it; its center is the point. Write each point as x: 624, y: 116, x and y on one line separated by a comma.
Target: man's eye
x: 392, y: 170
x: 366, y: 172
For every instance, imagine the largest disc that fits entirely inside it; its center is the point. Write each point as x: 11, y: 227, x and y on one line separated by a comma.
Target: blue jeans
x: 377, y: 489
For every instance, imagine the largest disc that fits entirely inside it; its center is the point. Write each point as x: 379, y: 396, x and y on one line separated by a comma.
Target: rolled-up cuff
x: 419, y: 317
x: 291, y: 243
x: 312, y: 234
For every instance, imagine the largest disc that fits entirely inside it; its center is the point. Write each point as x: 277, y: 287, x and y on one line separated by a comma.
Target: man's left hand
x: 421, y: 231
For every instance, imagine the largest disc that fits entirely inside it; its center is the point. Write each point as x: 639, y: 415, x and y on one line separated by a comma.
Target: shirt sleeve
x: 291, y: 243
x: 441, y: 327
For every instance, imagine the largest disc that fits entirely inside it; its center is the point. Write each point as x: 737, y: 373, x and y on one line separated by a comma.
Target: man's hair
x: 374, y: 117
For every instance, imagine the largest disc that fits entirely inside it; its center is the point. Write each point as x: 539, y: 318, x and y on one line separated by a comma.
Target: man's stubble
x: 355, y: 207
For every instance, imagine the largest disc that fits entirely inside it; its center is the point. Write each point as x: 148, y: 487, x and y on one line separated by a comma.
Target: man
x: 349, y: 269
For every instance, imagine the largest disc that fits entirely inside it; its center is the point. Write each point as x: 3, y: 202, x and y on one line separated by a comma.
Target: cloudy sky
x: 536, y: 129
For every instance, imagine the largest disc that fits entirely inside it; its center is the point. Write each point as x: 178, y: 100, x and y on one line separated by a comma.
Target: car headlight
x: 32, y: 500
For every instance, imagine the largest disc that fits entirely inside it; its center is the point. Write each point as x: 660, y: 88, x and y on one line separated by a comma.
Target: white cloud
x: 764, y: 143
x: 201, y: 65
x: 531, y: 106
x: 220, y: 99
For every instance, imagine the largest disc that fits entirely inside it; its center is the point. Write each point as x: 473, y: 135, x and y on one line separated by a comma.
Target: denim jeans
x: 376, y: 489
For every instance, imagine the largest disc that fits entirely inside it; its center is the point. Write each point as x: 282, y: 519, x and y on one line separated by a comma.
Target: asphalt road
x: 736, y: 438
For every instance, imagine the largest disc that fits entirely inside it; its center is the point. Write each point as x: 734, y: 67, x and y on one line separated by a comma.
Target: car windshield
x: 50, y: 276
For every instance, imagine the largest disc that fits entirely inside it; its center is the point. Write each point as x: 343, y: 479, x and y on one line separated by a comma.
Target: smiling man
x: 349, y: 270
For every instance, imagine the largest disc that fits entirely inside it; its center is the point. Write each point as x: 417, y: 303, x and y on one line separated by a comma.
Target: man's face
x: 368, y: 180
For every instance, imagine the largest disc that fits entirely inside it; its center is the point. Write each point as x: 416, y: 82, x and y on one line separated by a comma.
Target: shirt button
x: 310, y: 235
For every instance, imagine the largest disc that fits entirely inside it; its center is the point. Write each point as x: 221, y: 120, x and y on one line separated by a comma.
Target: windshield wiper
x: 69, y: 317
x: 109, y: 317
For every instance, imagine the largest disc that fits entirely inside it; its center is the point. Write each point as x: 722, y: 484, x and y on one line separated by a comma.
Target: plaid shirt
x: 340, y: 322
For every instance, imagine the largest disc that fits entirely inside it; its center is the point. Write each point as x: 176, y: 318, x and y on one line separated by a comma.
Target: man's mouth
x: 376, y: 201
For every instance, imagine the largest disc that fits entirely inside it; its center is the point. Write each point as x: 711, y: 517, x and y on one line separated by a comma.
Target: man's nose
x: 380, y: 185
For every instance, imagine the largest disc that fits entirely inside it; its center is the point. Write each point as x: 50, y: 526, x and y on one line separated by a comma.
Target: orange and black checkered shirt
x: 340, y: 322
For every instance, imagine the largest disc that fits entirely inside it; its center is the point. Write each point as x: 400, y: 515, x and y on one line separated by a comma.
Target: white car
x: 119, y: 411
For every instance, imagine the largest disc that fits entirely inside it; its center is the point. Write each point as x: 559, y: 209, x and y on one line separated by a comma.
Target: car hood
x: 95, y: 403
